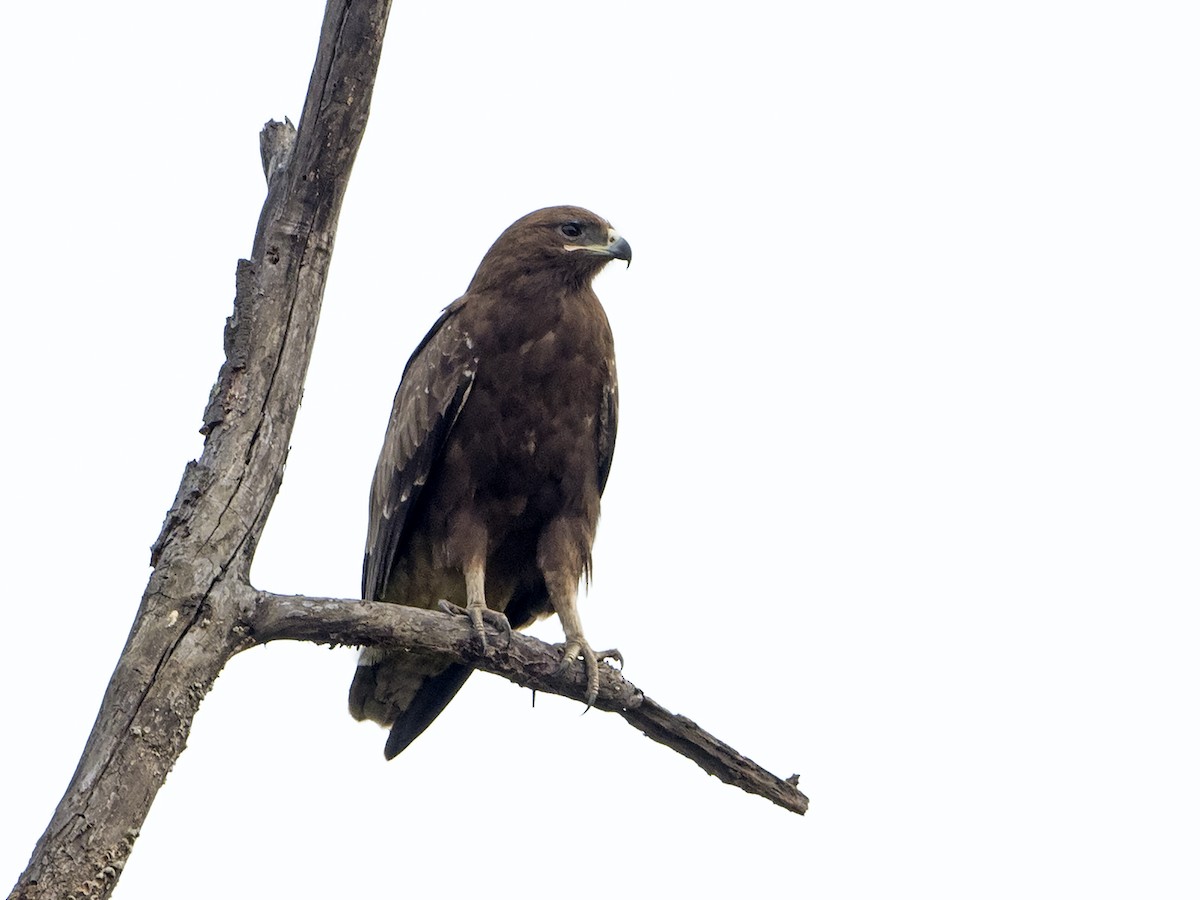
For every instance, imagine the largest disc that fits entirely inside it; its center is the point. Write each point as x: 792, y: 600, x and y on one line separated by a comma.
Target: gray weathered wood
x: 199, y: 609
x: 526, y: 661
x: 188, y: 624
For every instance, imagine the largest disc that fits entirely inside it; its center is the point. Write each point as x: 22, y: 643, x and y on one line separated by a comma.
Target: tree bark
x: 525, y: 661
x: 189, y: 622
x: 199, y: 609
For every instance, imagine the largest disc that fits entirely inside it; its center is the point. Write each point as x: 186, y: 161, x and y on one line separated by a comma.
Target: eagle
x: 487, y: 492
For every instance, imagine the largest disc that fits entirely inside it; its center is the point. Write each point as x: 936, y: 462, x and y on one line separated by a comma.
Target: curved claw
x: 497, y: 620
x: 573, y: 650
x: 570, y: 653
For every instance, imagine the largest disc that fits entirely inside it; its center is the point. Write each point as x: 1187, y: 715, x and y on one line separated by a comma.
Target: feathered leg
x: 467, y: 543
x: 562, y: 551
x: 477, y: 609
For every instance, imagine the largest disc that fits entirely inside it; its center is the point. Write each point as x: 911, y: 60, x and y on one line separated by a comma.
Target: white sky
x: 907, y: 492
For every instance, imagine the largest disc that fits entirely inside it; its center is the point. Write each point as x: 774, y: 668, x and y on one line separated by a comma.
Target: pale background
x: 906, y: 494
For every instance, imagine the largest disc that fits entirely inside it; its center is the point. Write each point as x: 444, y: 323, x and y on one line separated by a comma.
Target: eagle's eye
x: 571, y: 230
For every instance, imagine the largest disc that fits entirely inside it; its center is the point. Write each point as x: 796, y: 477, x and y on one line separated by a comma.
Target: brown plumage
x: 487, y: 491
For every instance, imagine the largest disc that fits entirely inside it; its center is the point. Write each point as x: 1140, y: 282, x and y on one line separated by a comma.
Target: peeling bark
x: 525, y: 661
x: 199, y: 609
x: 189, y: 622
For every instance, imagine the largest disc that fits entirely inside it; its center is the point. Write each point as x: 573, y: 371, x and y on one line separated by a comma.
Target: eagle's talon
x: 478, y: 617
x: 502, y: 625
x: 572, y: 650
x: 570, y: 653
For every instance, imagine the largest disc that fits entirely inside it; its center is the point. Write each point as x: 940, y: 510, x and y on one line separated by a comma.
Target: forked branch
x: 198, y: 609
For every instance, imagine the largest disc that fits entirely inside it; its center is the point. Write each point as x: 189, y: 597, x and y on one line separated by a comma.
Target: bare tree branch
x: 199, y: 609
x: 526, y: 661
x: 186, y: 627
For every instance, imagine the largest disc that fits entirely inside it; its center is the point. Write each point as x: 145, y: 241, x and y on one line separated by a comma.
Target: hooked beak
x: 615, y: 247
x: 618, y: 248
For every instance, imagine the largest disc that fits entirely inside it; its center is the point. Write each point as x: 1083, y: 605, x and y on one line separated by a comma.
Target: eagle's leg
x: 561, y: 561
x: 576, y: 646
x: 477, y: 609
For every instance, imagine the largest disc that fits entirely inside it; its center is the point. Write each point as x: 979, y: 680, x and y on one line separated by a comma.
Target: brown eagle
x: 487, y: 491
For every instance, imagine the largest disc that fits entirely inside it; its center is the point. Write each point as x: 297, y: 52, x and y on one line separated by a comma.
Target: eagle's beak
x: 618, y: 248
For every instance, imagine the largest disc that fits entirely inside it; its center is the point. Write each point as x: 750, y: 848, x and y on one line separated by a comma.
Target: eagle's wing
x: 433, y: 389
x: 606, y: 427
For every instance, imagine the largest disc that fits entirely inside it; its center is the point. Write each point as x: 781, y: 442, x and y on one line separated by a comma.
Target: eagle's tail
x: 405, y: 690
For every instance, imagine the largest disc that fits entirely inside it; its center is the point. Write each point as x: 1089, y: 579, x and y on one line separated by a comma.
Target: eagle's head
x: 556, y: 245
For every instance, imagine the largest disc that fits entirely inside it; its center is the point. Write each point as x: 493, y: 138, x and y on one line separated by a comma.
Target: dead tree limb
x: 199, y: 609
x: 526, y: 661
x: 187, y: 626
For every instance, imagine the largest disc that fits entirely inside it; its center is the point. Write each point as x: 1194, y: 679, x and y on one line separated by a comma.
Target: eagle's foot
x: 478, y: 616
x: 572, y: 650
